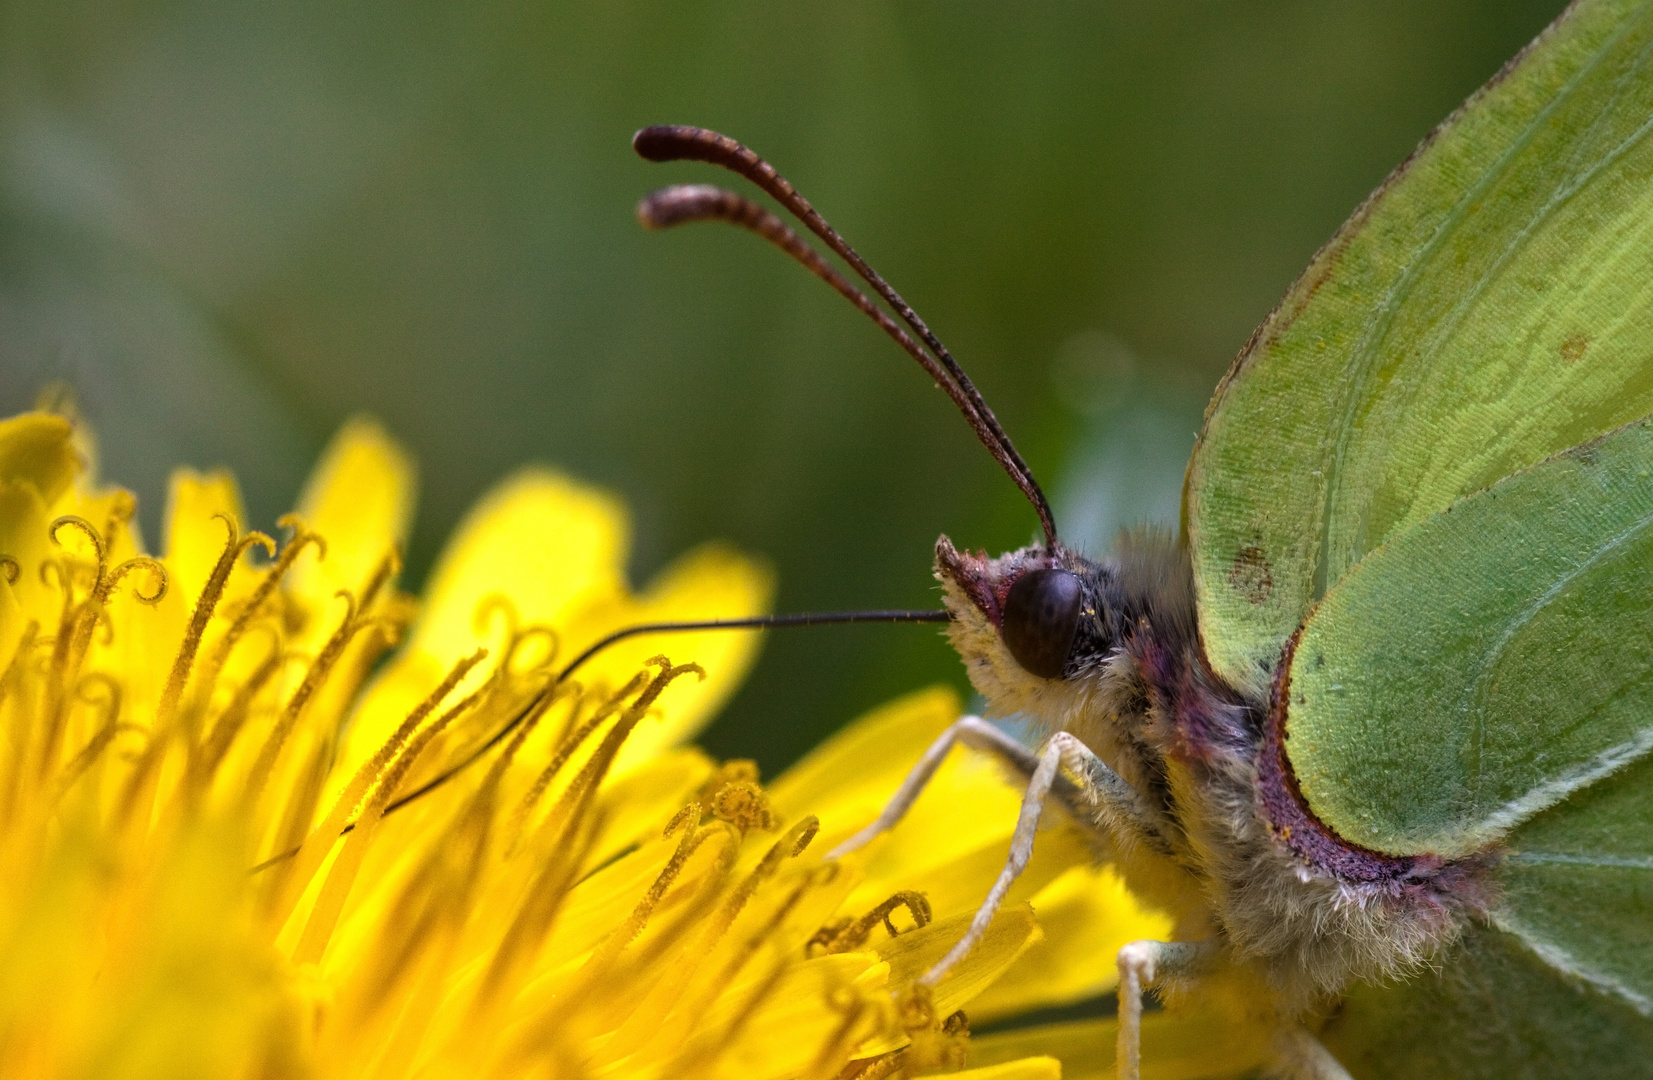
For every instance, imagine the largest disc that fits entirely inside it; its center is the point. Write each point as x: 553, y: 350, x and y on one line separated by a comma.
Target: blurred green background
x: 230, y: 225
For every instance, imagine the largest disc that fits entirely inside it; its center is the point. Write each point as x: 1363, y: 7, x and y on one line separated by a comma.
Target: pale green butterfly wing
x: 1492, y: 1011
x: 1484, y: 682
x: 1490, y: 306
x: 1578, y: 887
x: 1488, y: 662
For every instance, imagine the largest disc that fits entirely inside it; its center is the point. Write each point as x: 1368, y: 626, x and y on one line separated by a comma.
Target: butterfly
x: 1375, y: 725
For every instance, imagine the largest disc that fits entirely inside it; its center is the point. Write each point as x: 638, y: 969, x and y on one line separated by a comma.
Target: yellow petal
x: 38, y: 449
x: 712, y: 581
x: 1030, y: 1068
x: 38, y: 467
x: 847, y: 779
x: 556, y: 549
x: 967, y: 812
x: 636, y: 804
x: 782, y: 1037
x: 1175, y: 1046
x: 550, y: 544
x: 912, y: 954
x: 24, y: 517
x: 141, y: 646
x: 1087, y: 915
x: 958, y: 882
x: 360, y: 498
x: 194, y: 535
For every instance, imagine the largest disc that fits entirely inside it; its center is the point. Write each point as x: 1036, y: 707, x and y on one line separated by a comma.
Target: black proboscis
x: 753, y: 622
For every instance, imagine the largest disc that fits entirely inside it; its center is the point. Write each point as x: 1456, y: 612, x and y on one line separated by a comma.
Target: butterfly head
x: 1030, y: 624
x: 1032, y: 605
x: 1045, y: 631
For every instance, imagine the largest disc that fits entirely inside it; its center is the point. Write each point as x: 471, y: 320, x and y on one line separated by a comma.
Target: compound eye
x: 1041, y: 615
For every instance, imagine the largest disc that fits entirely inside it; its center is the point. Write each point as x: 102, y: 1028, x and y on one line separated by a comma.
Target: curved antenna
x: 754, y: 622
x: 683, y: 203
x: 675, y: 142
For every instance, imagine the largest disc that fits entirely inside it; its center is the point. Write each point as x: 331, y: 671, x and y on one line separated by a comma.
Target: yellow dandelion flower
x: 225, y: 849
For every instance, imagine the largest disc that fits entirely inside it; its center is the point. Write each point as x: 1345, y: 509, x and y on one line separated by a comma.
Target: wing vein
x: 1601, y: 862
x: 1473, y: 703
x: 1363, y: 357
x: 1438, y: 338
x: 1562, y: 960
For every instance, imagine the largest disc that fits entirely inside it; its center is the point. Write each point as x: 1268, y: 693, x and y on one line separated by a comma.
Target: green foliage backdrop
x: 230, y: 225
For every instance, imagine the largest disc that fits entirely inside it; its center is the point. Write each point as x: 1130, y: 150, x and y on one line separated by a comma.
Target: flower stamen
x: 330, y: 903
x: 624, y: 934
x: 253, y: 606
x: 105, y: 734
x: 322, y: 838
x: 847, y: 935
x: 570, y: 740
x: 140, y: 786
x: 695, y: 1055
x: 209, y: 754
x: 351, y: 625
x: 568, y: 819
x: 583, y: 787
x: 78, y: 623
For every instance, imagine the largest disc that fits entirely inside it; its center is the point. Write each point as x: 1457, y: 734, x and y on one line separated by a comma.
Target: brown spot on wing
x: 1573, y: 349
x: 1250, y: 575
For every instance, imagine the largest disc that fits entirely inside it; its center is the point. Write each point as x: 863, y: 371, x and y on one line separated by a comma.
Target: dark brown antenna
x: 699, y: 202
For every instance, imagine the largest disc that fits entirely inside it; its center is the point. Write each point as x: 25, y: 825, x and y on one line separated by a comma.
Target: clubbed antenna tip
x: 701, y: 202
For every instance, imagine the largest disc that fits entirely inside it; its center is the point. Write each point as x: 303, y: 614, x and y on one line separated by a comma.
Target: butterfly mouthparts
x: 971, y: 571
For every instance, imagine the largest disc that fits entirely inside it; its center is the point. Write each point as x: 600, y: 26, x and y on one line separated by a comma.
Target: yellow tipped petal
x: 1012, y: 931
x: 194, y: 534
x: 536, y: 551
x: 847, y: 779
x: 550, y: 545
x: 952, y: 877
x: 794, y: 1004
x: 1031, y: 1068
x: 966, y: 808
x: 1175, y: 1046
x: 360, y: 499
x: 711, y: 581
x: 24, y: 516
x: 38, y: 449
x: 1087, y: 915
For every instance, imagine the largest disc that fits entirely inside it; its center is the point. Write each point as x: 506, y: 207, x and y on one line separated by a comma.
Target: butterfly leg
x: 1301, y: 1056
x: 969, y: 730
x: 1090, y: 786
x: 1140, y: 963
x: 1093, y: 786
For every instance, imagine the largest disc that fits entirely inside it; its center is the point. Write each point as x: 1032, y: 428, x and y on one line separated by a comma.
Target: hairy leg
x: 1301, y: 1056
x: 1092, y: 788
x: 1093, y: 793
x: 1140, y: 963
